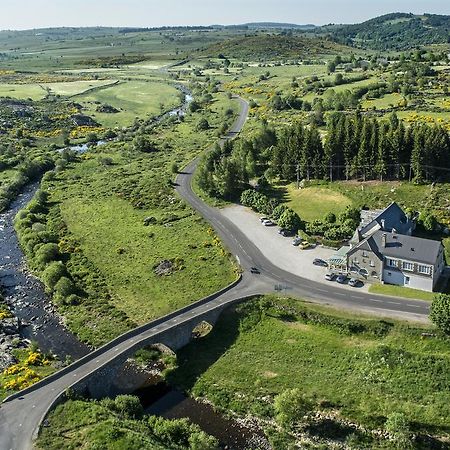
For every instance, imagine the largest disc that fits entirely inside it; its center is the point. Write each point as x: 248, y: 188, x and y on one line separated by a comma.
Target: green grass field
x: 350, y: 367
x: 400, y: 291
x: 315, y: 202
x: 105, y: 227
x: 132, y: 99
x: 22, y: 91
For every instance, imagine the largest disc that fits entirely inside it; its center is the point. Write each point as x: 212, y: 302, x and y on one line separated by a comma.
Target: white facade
x: 407, y: 279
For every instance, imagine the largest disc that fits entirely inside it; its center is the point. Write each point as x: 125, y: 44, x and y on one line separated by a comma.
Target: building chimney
x: 383, y: 222
x: 384, y: 240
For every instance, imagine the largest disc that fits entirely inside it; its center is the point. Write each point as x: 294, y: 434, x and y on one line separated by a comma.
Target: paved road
x: 249, y: 255
x: 20, y: 417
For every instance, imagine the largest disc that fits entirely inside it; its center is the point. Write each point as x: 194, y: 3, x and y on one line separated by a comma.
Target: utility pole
x: 331, y: 171
x: 298, y: 175
x: 410, y: 170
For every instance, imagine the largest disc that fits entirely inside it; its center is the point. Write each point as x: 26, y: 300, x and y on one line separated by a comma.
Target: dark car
x: 285, y: 233
x: 341, y: 279
x: 320, y: 262
x: 254, y: 270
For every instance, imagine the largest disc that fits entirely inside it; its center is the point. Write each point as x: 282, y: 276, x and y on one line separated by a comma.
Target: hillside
x: 397, y: 31
x: 271, y: 46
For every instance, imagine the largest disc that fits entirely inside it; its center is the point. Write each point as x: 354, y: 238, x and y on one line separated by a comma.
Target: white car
x: 297, y: 241
x: 268, y: 223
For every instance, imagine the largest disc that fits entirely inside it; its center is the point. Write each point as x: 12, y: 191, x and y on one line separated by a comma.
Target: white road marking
x: 413, y: 306
x: 375, y: 300
x: 321, y: 290
x: 339, y: 293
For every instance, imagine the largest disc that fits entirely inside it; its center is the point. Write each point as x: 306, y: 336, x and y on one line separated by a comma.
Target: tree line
x: 354, y: 147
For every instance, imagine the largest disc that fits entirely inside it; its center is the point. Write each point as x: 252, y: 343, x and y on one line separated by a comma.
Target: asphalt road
x: 248, y: 255
x: 20, y: 417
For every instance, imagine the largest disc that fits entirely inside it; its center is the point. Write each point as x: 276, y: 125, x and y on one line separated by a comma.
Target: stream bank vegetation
x: 104, y: 222
x: 118, y: 423
x: 323, y: 379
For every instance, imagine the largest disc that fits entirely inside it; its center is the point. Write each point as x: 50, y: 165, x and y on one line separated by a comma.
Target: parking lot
x: 278, y: 249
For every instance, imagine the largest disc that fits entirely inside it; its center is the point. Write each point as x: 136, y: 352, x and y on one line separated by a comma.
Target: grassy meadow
x: 132, y: 99
x: 350, y: 367
x: 103, y: 198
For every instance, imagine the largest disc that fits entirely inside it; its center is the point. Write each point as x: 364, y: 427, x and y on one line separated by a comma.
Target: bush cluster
x: 42, y: 250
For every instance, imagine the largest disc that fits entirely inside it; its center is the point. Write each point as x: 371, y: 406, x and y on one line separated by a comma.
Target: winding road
x: 22, y: 414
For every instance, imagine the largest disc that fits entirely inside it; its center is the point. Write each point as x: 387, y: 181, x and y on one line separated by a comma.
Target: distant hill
x: 275, y: 25
x: 397, y: 31
x: 266, y: 47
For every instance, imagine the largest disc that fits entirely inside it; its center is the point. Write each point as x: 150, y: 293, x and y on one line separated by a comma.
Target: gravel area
x: 278, y: 249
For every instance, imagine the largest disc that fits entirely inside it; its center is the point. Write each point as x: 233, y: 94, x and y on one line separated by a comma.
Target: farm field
x: 22, y: 91
x: 132, y: 99
x: 269, y: 345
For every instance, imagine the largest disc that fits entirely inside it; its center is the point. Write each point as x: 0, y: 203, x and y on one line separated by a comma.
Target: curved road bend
x: 248, y: 255
x: 20, y: 417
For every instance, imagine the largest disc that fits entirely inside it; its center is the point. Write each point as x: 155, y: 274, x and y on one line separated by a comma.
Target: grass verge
x: 400, y: 291
x: 358, y: 370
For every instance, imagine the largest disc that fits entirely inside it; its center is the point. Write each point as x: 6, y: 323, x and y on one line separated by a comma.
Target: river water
x: 26, y: 297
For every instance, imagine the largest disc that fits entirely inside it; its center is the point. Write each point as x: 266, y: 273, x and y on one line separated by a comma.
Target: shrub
x: 202, y: 125
x: 63, y: 288
x: 290, y: 407
x: 330, y: 218
x: 398, y: 427
x: 128, y: 406
x: 440, y: 312
x: 45, y: 254
x: 290, y: 220
x: 278, y: 211
x: 174, y: 168
x: 201, y: 441
x: 52, y: 274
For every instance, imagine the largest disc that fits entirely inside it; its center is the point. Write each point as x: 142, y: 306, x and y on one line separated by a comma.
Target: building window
x: 372, y: 264
x: 392, y: 262
x: 389, y: 274
x: 407, y: 279
x: 408, y: 266
x: 424, y: 269
x: 364, y: 254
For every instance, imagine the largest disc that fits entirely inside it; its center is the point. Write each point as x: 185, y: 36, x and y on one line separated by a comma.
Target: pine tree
x: 418, y: 154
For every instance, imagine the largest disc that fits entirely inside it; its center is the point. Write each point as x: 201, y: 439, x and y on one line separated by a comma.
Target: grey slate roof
x: 367, y: 245
x: 387, y: 219
x: 407, y: 247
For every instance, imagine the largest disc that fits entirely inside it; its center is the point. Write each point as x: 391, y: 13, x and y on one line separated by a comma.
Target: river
x: 26, y: 297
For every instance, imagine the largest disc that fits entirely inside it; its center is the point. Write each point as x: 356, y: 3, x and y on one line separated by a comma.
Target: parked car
x: 254, y: 270
x: 268, y: 223
x: 353, y: 282
x: 263, y: 219
x: 330, y: 276
x: 304, y: 245
x: 341, y: 279
x: 297, y: 241
x: 320, y: 262
x: 285, y: 233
